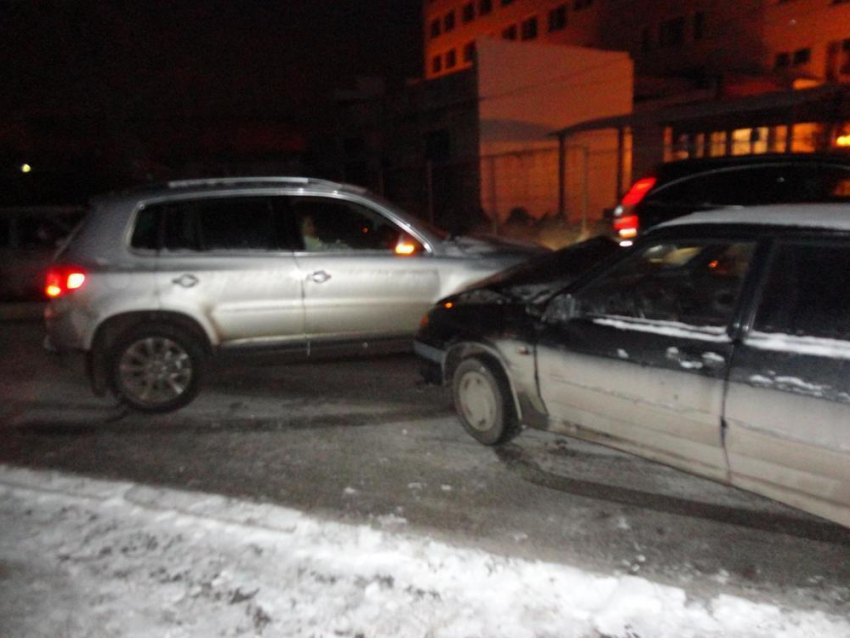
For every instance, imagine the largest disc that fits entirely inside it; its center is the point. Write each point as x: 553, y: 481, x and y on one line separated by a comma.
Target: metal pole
x: 585, y: 188
x: 429, y: 187
x: 562, y: 177
x: 621, y: 143
x: 494, y: 218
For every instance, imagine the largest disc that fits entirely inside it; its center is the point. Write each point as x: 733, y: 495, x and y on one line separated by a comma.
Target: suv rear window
x: 784, y: 183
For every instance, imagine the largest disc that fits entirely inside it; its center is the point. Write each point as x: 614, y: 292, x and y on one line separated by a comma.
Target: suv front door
x: 363, y: 277
x: 641, y: 360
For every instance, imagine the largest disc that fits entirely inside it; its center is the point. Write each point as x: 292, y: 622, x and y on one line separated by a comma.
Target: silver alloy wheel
x: 478, y: 400
x: 155, y: 370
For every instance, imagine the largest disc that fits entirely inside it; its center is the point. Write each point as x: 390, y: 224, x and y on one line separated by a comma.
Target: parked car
x: 158, y: 279
x: 679, y: 188
x: 718, y: 344
x: 29, y: 237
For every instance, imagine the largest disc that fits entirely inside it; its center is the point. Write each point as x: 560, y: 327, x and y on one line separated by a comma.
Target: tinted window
x: 145, y: 234
x: 334, y: 225
x: 236, y: 223
x: 693, y: 282
x: 759, y: 185
x: 806, y: 292
x: 239, y: 223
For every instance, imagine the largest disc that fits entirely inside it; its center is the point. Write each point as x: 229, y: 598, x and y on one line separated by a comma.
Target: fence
x: 501, y: 190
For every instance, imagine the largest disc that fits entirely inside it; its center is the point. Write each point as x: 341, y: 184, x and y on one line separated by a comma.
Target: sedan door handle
x: 187, y: 280
x: 320, y: 276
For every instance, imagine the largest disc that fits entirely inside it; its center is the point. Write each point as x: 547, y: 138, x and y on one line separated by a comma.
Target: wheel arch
x: 487, y: 353
x: 108, y: 332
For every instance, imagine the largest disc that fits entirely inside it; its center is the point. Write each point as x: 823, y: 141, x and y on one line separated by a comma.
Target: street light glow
x: 26, y: 168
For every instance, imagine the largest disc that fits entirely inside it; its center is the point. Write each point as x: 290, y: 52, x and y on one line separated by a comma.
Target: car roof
x: 805, y: 216
x: 229, y: 184
x: 674, y: 170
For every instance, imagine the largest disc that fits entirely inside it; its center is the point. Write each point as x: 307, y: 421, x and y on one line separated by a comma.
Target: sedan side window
x: 685, y: 281
x: 332, y: 225
x: 805, y: 295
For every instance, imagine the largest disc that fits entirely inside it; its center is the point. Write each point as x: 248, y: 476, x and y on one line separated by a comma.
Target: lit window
x: 558, y: 18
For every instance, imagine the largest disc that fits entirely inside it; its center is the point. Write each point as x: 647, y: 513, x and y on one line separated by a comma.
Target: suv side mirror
x: 561, y: 309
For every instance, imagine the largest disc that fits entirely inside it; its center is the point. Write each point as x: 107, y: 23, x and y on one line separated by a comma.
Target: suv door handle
x: 187, y: 281
x: 320, y: 276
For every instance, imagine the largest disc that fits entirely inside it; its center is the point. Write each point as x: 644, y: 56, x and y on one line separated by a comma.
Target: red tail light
x: 626, y: 223
x: 638, y: 191
x: 64, y: 279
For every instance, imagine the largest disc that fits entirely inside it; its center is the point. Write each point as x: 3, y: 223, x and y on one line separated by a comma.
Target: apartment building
x: 695, y: 39
x: 553, y: 107
x: 451, y: 27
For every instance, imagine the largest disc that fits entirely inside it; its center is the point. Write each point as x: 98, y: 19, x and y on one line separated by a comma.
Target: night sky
x: 147, y: 73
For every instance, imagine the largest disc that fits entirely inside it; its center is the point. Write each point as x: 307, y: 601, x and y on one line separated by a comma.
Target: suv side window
x: 334, y: 225
x: 805, y: 293
x: 695, y: 282
x: 211, y: 224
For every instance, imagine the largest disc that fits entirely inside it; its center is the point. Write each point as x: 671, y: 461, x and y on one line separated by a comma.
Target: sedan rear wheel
x: 483, y: 402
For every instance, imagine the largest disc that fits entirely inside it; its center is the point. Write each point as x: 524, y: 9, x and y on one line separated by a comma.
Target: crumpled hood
x: 490, y: 245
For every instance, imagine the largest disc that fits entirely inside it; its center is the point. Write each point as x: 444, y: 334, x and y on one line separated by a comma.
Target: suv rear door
x: 788, y: 402
x: 226, y: 258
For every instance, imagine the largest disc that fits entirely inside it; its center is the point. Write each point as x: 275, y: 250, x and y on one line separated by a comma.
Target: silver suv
x: 155, y: 281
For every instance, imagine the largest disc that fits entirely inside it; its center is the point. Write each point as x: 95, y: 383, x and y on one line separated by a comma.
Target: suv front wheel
x: 156, y: 368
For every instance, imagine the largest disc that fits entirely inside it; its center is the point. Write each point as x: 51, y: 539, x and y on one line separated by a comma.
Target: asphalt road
x: 363, y: 440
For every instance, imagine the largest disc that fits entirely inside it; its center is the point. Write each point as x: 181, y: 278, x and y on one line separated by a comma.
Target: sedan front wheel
x: 483, y: 402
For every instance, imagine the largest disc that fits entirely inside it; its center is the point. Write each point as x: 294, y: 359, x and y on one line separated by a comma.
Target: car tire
x: 484, y: 403
x: 156, y: 368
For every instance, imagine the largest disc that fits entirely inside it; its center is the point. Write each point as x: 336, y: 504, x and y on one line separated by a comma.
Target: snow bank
x: 155, y: 562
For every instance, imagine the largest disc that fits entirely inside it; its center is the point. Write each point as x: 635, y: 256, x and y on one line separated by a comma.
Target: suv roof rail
x: 219, y: 181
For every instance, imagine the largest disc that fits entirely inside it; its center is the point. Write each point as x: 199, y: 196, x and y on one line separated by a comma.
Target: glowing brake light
x: 63, y: 279
x: 638, y: 191
x: 627, y: 226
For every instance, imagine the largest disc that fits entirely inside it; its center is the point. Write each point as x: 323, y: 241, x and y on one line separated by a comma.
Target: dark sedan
x: 719, y: 344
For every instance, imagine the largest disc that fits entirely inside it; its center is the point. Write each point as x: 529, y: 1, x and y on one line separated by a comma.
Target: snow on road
x: 84, y: 557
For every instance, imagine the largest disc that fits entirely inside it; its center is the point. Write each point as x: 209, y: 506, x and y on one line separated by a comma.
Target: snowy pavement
x: 92, y: 558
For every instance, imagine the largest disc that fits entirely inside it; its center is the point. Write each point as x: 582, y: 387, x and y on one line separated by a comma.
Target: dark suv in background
x: 678, y: 188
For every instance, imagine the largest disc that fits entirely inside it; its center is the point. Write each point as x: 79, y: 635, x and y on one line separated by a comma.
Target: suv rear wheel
x: 156, y: 368
x: 483, y: 402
